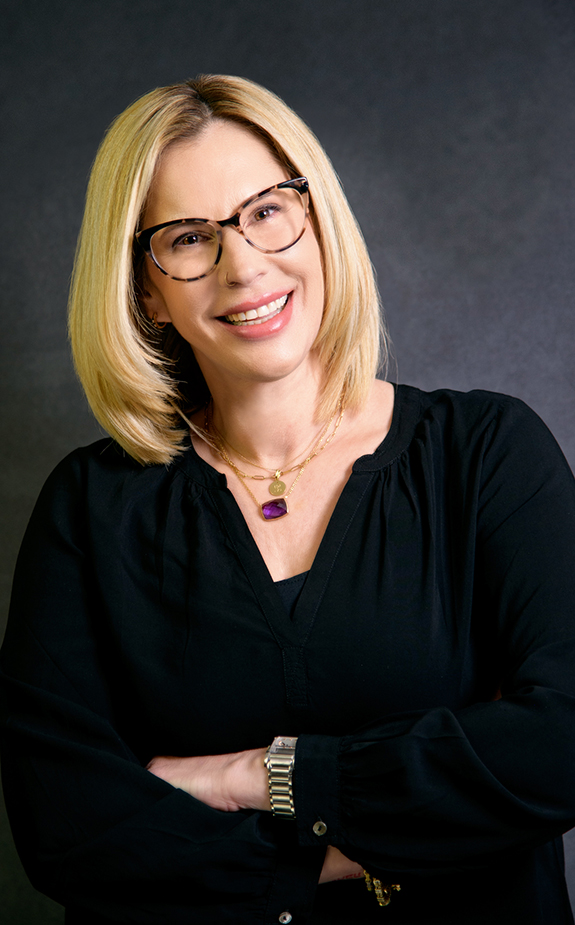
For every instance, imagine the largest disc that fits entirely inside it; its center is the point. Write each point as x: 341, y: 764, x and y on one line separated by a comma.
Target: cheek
x: 184, y: 314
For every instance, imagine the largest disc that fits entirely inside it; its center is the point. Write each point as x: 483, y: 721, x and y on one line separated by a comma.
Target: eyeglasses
x: 187, y: 249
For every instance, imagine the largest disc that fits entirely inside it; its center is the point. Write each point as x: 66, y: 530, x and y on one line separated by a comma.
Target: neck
x: 269, y: 423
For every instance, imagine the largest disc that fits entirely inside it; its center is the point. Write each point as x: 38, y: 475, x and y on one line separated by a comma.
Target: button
x: 319, y: 827
x: 285, y: 918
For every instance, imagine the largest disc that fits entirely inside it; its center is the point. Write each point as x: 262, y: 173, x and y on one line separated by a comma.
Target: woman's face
x: 211, y: 177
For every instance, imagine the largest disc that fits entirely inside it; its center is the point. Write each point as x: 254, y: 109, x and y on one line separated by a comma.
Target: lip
x: 266, y: 328
x: 253, y: 304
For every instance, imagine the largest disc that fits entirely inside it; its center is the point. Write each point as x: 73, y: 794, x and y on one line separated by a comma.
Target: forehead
x: 212, y: 175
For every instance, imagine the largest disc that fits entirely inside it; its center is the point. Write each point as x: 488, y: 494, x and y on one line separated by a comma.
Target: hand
x: 337, y: 867
x: 226, y: 782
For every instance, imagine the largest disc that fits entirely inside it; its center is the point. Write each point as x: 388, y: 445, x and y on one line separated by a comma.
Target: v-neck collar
x: 296, y: 631
x: 290, y: 634
x: 286, y: 630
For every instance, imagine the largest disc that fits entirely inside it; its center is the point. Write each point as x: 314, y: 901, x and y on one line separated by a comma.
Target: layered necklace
x: 278, y: 507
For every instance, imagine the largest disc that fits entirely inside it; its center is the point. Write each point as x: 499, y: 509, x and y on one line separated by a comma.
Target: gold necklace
x: 277, y: 487
x: 273, y: 510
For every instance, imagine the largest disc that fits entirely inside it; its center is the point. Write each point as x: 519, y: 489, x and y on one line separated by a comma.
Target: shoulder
x: 467, y: 414
x: 484, y: 429
x: 477, y: 405
x: 97, y: 477
x: 465, y: 427
x: 103, y: 460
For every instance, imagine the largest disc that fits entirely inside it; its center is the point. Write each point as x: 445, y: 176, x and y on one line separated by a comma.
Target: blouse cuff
x: 316, y: 789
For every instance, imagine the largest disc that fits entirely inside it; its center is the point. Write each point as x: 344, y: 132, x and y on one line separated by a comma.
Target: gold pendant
x: 277, y: 487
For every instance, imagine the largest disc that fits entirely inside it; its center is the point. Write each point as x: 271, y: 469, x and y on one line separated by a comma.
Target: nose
x: 240, y: 263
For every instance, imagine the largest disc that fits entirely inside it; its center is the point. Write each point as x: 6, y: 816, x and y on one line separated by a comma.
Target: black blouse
x: 144, y: 621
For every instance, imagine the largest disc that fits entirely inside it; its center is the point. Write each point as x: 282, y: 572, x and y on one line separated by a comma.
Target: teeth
x: 257, y: 315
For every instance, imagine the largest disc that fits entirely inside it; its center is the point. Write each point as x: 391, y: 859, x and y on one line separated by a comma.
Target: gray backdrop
x: 451, y: 124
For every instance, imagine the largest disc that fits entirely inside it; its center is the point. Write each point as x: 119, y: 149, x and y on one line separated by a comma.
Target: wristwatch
x: 279, y: 761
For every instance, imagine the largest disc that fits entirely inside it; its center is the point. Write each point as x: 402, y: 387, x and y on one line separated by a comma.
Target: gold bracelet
x: 279, y: 761
x: 382, y: 890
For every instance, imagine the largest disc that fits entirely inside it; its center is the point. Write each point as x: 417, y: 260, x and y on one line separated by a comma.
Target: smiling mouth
x: 258, y: 315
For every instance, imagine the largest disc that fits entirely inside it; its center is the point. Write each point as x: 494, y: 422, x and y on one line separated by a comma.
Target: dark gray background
x: 451, y: 124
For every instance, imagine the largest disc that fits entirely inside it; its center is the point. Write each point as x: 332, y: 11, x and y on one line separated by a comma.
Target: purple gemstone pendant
x: 271, y: 510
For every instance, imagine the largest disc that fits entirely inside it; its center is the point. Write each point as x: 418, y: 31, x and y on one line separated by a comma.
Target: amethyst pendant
x: 271, y: 510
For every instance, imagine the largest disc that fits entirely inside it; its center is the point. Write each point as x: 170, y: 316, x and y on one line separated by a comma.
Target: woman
x: 284, y: 585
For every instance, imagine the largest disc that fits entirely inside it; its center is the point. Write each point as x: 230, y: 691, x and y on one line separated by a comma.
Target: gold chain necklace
x: 273, y: 510
x: 277, y: 487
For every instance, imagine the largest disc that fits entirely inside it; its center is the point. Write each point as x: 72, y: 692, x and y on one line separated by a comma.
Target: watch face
x: 281, y: 742
x: 279, y: 747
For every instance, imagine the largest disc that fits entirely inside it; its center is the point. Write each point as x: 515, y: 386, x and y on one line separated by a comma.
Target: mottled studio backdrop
x: 451, y: 124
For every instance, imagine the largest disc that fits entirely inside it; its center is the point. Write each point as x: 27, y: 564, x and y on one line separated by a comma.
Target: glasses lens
x: 186, y: 250
x: 275, y: 220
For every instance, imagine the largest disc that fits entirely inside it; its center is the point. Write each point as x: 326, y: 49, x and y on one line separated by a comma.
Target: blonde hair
x: 137, y: 386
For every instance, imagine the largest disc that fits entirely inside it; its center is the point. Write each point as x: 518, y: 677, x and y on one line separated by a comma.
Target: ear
x: 153, y: 302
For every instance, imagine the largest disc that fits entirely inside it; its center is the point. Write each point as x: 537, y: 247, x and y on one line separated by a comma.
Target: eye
x: 265, y: 212
x: 190, y: 239
x: 184, y: 237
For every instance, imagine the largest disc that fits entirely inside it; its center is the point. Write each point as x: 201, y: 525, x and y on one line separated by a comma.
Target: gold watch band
x: 279, y: 761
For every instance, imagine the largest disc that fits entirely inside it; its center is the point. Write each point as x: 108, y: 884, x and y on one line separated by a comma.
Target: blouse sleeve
x: 441, y: 789
x: 93, y: 827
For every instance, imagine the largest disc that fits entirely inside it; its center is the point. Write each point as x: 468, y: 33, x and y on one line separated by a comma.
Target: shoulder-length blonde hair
x: 136, y: 381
